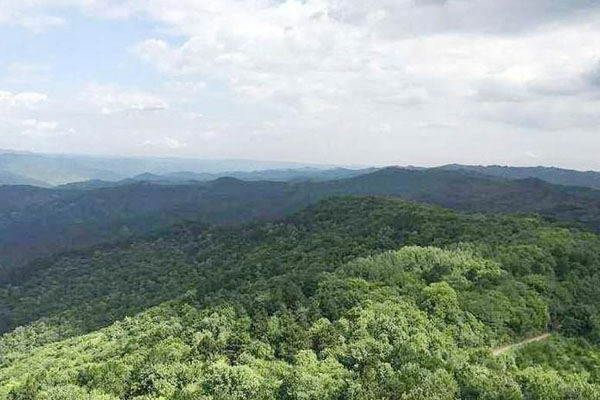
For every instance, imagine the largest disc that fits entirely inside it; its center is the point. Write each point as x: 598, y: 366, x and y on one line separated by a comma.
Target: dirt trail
x: 503, y: 349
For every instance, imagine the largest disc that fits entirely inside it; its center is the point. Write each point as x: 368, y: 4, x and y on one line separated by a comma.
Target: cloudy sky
x: 376, y: 82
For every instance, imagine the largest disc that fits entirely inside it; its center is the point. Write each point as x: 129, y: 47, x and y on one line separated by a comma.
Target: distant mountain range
x: 273, y: 175
x: 52, y: 203
x: 92, y: 172
x: 8, y: 178
x: 36, y: 221
x: 554, y: 175
x: 51, y: 170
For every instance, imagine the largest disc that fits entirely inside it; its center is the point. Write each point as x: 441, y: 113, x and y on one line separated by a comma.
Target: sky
x: 352, y: 82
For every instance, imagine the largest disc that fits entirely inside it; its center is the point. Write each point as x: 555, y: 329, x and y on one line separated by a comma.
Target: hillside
x: 113, y: 280
x: 8, y: 178
x: 356, y: 298
x: 467, y: 192
x: 558, y: 176
x: 39, y: 222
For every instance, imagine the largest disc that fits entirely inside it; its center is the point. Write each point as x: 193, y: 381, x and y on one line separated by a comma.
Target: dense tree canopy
x: 355, y: 298
x: 377, y: 328
x: 36, y: 222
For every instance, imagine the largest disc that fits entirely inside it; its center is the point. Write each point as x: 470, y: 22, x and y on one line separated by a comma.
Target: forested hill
x: 558, y: 176
x: 313, y: 307
x: 8, y: 178
x: 36, y: 222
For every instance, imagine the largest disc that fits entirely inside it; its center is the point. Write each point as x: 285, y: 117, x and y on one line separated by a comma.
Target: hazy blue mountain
x: 58, y: 169
x: 101, y: 171
x: 17, y: 198
x: 187, y: 176
x: 273, y: 175
x: 89, y: 185
x: 554, y: 175
x: 9, y: 178
x: 42, y: 221
x: 62, y: 169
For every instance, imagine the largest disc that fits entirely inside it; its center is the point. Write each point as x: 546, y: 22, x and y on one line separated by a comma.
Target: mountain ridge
x: 559, y: 176
x: 40, y: 221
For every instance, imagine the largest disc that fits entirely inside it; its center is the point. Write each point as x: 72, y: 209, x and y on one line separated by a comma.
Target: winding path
x: 503, y: 349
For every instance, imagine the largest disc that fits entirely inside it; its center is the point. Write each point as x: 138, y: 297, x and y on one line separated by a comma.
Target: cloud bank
x: 346, y: 81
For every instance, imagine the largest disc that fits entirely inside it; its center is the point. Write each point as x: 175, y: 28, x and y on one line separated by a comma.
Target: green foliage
x: 38, y: 222
x: 93, y: 288
x: 356, y: 298
x: 554, y: 175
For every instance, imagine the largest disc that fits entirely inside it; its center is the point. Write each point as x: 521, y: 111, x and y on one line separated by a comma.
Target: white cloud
x: 185, y: 91
x: 42, y: 129
x: 41, y: 23
x: 21, y: 73
x: 40, y: 125
x: 165, y: 142
x: 30, y: 14
x: 356, y: 60
x: 385, y: 17
x: 111, y: 99
x: 23, y: 99
x: 401, y: 17
x: 186, y: 87
x: 350, y: 81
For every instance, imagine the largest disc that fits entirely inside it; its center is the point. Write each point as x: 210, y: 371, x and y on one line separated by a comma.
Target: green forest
x: 299, y: 200
x: 37, y: 222
x: 352, y: 298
